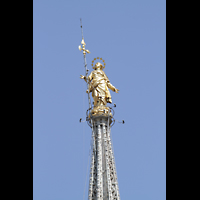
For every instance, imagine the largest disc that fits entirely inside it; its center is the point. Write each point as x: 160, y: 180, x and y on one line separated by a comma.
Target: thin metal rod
x: 86, y: 70
x: 81, y: 27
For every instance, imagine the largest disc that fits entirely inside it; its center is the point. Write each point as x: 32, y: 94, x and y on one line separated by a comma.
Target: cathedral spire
x: 103, y: 183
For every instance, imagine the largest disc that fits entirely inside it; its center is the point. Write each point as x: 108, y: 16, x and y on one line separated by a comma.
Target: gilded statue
x: 99, y: 85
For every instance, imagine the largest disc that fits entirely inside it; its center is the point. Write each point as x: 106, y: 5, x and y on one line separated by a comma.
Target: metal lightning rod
x: 85, y: 63
x: 87, y: 81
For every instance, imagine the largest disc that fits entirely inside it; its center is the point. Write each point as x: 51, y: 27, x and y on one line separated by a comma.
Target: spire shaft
x: 103, y: 184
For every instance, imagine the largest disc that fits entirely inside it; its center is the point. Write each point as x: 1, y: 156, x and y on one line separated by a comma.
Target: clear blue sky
x: 131, y: 36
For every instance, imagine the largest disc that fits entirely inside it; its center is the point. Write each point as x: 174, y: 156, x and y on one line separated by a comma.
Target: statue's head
x: 98, y: 65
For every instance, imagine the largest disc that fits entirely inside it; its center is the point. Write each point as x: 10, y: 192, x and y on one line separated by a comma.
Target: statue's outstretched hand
x: 116, y: 90
x: 82, y: 77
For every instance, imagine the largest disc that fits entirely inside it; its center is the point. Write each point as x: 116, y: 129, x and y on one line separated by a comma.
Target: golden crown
x: 100, y: 59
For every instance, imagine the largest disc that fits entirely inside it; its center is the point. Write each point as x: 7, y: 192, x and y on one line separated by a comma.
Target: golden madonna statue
x: 99, y: 85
